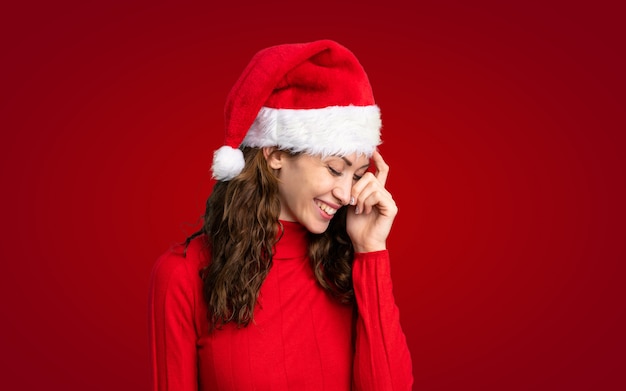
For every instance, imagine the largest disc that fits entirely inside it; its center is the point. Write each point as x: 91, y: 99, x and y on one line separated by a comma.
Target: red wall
x: 503, y: 126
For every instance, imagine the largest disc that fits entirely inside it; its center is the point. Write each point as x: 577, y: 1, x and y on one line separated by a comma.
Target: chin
x: 316, y: 227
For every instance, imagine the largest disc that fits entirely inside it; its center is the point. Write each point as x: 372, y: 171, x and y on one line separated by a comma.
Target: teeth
x: 326, y: 208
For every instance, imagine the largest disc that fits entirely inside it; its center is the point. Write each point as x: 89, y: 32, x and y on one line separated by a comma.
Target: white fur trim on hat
x: 334, y: 130
x: 228, y: 162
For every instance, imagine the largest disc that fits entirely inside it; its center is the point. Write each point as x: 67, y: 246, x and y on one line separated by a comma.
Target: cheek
x: 298, y: 182
x: 291, y: 189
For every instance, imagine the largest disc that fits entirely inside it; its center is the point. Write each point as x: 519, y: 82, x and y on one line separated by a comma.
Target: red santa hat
x: 309, y: 97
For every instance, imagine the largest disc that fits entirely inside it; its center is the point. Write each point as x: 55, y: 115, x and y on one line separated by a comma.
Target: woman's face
x: 311, y: 189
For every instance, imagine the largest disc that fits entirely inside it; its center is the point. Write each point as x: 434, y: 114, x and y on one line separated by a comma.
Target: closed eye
x: 334, y: 172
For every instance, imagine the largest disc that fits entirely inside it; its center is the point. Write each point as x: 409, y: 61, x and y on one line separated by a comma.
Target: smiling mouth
x: 327, y: 209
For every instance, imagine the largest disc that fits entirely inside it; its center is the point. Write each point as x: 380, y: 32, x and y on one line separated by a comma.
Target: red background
x: 503, y: 125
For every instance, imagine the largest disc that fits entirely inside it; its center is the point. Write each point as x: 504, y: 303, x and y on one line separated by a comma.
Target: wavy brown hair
x: 242, y: 227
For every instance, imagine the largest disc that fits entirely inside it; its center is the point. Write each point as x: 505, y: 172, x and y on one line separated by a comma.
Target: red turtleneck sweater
x: 301, y: 339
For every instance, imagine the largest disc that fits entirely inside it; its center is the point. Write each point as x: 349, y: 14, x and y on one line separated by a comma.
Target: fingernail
x: 356, y: 210
x: 351, y: 200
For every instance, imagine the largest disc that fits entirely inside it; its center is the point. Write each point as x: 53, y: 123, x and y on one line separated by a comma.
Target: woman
x: 287, y: 284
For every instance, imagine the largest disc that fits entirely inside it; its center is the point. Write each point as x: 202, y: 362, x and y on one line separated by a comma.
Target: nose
x: 342, y: 191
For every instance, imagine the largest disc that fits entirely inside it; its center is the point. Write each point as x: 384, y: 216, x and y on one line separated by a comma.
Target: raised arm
x: 382, y: 359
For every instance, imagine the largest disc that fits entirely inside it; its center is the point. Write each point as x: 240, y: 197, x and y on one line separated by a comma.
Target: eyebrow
x: 349, y: 163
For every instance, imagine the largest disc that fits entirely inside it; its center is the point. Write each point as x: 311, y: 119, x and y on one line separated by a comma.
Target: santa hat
x: 310, y: 97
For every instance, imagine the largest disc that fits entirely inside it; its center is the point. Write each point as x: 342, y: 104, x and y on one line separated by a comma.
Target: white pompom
x: 228, y: 162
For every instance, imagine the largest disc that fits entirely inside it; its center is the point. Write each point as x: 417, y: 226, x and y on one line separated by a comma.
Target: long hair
x: 242, y: 227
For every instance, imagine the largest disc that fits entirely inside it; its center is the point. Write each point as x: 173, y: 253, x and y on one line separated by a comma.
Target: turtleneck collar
x: 293, y: 242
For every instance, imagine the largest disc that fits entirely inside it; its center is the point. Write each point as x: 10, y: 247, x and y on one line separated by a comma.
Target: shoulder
x: 180, y: 266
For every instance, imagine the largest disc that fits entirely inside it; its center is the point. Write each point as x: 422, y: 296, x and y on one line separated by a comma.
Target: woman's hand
x: 369, y: 221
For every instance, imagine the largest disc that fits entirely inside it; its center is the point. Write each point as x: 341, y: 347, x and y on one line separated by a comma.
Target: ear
x: 274, y: 157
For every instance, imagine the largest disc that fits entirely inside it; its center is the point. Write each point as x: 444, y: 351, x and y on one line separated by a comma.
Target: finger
x: 371, y: 194
x: 382, y: 169
x: 359, y: 192
x: 380, y: 199
x: 369, y: 203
